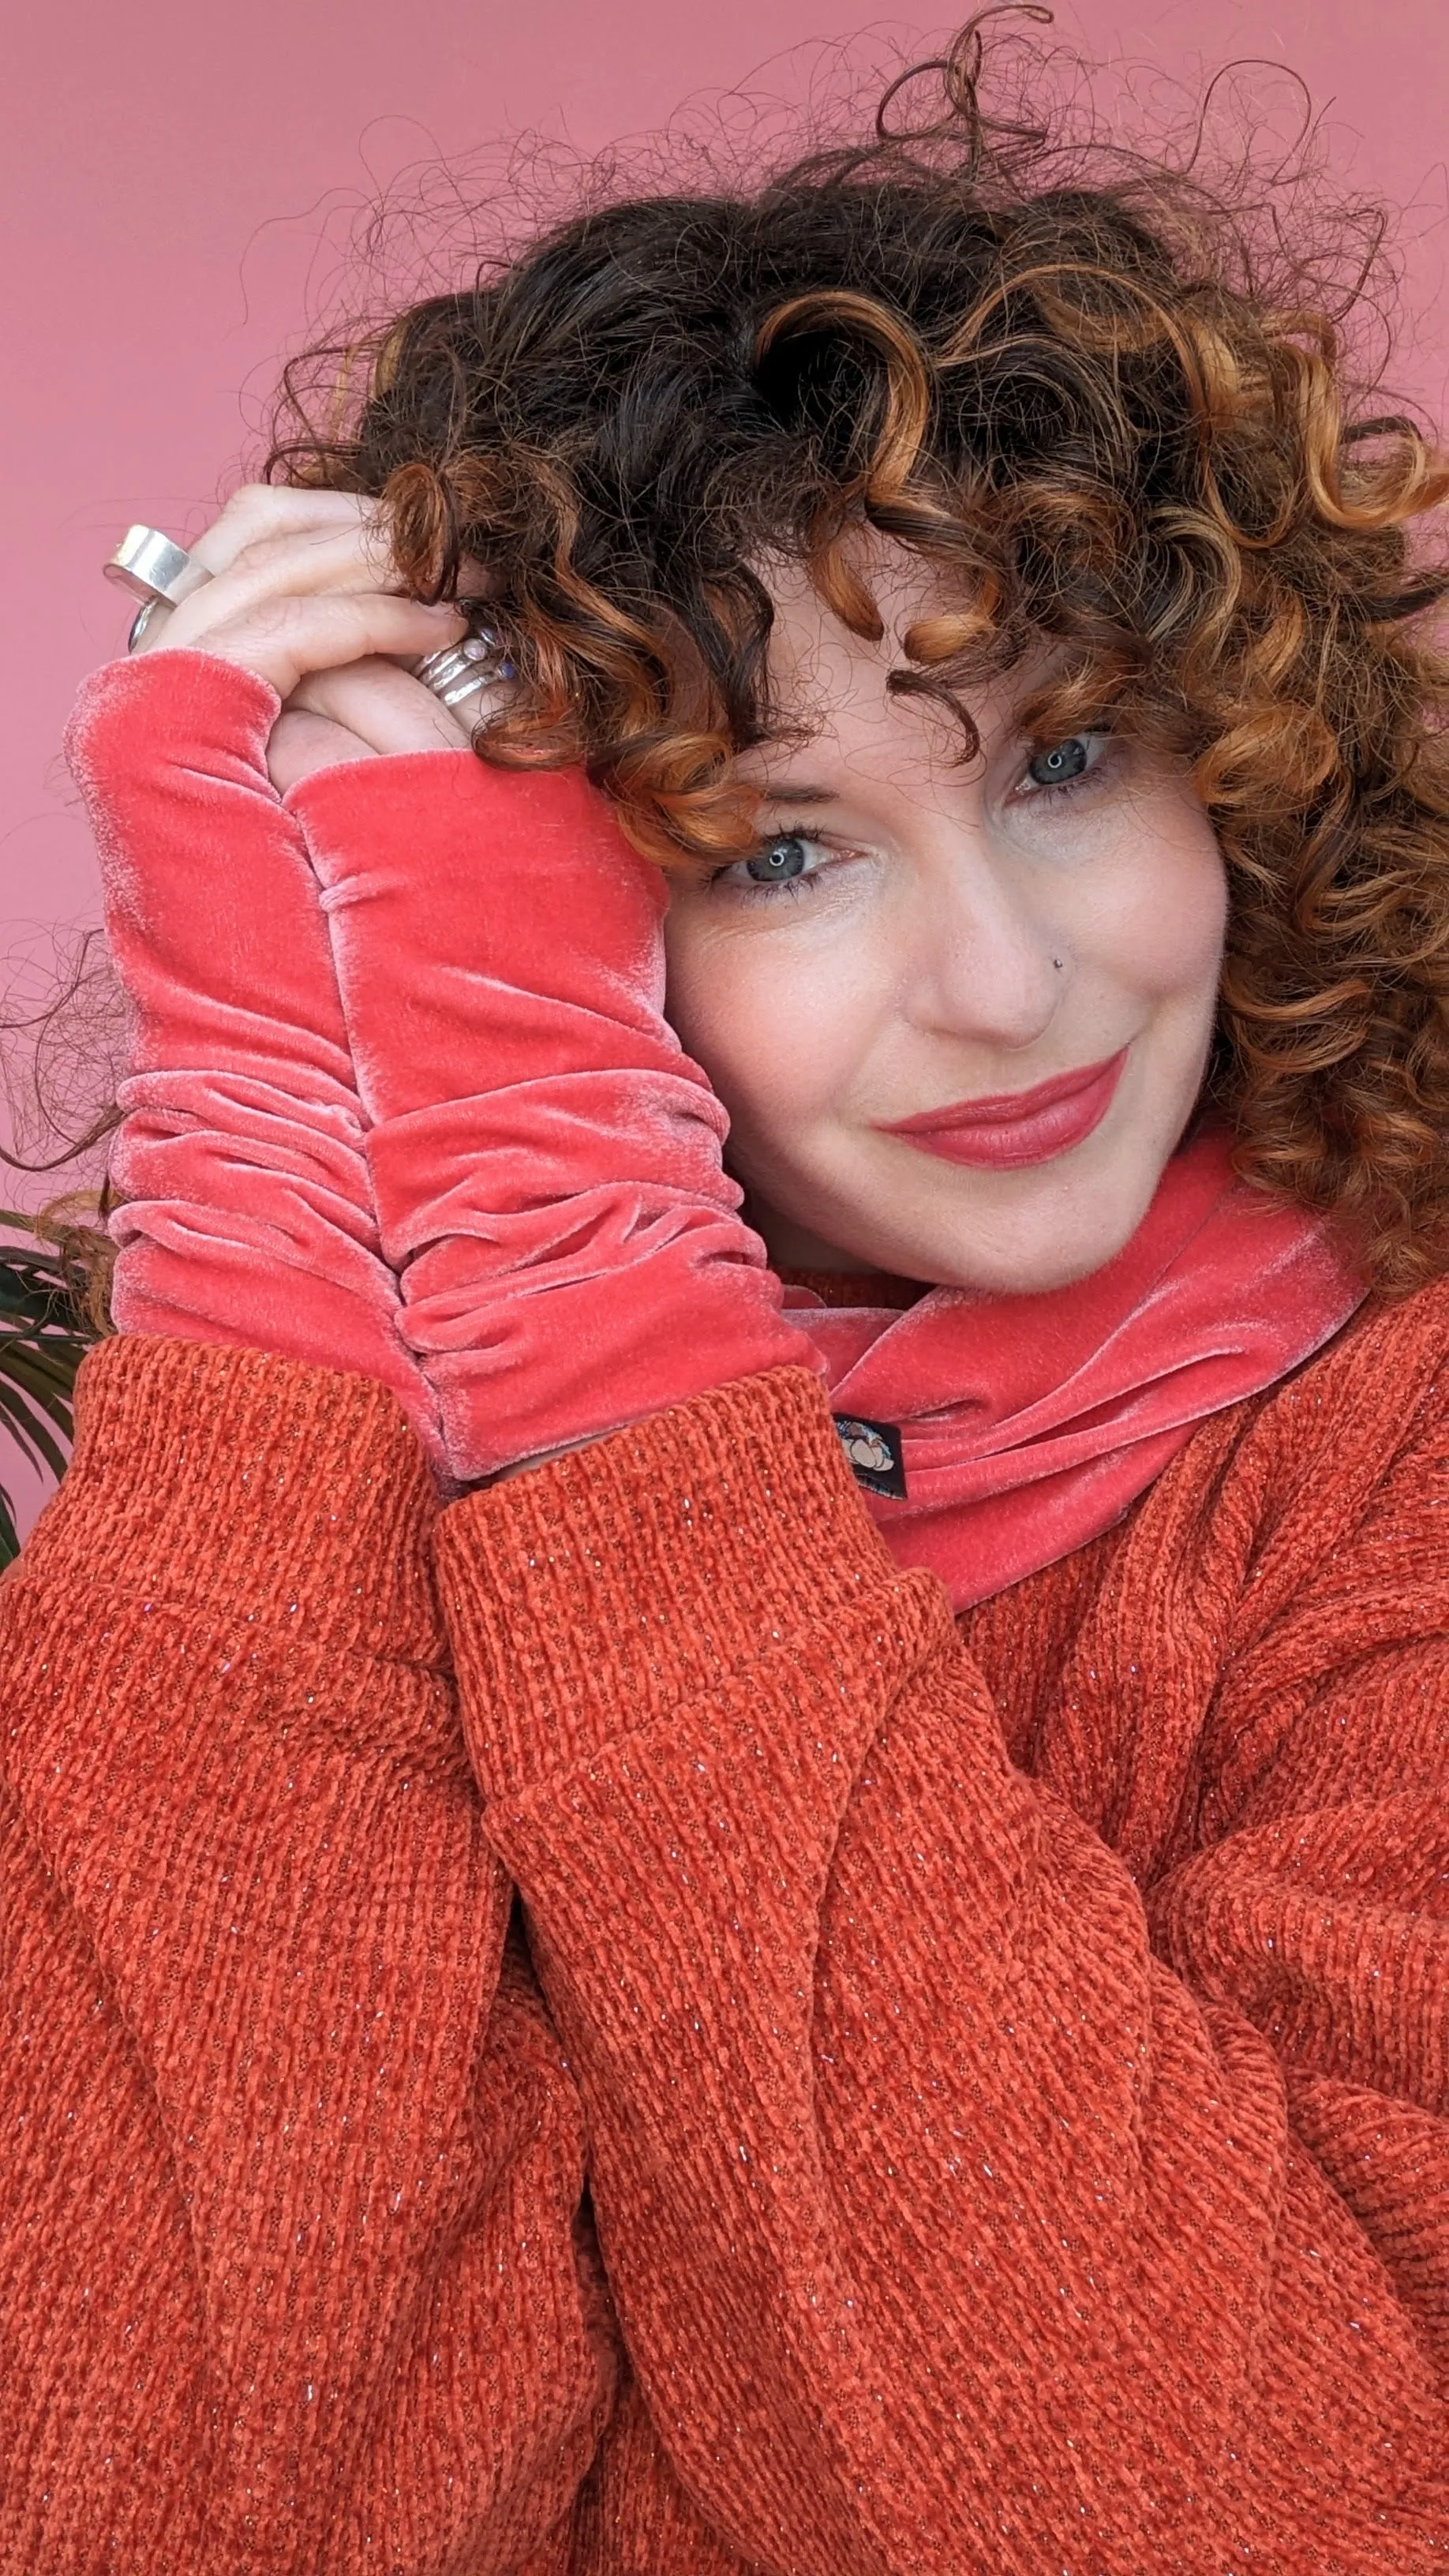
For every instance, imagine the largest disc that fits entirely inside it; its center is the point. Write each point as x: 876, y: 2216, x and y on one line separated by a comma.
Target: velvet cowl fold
x: 1027, y: 1425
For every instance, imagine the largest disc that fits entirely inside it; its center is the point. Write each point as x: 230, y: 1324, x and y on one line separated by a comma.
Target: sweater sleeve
x: 954, y: 2215
x: 294, y: 2273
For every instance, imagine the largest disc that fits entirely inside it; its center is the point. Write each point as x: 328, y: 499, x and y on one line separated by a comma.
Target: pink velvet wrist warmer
x: 545, y: 1158
x: 248, y: 1214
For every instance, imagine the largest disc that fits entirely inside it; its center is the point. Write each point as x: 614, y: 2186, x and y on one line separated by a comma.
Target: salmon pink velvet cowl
x: 1029, y: 1424
x: 465, y: 1153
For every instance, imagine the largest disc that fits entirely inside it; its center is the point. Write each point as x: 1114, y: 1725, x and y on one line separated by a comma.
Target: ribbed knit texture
x: 1010, y: 2068
x: 289, y: 2166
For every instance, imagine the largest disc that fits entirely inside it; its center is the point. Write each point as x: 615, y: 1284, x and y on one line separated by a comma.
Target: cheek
x: 1157, y: 925
x: 772, y: 1032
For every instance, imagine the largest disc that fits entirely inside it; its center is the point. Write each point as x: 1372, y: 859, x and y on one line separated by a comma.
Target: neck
x: 794, y: 1247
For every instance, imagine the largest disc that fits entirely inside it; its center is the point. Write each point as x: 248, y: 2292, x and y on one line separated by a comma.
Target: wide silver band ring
x: 151, y: 565
x: 155, y: 570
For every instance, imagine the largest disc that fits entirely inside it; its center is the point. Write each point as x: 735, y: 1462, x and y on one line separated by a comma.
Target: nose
x: 979, y: 960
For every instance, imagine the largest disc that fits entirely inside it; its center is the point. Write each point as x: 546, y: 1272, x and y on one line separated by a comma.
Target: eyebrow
x: 792, y: 791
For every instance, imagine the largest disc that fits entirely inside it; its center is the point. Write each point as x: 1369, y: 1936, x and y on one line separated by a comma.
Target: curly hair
x: 1074, y: 383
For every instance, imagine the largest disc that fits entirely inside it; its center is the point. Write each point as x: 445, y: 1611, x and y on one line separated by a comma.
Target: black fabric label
x: 874, y: 1450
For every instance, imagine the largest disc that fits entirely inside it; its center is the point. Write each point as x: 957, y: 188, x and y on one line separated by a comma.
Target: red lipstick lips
x: 1015, y: 1128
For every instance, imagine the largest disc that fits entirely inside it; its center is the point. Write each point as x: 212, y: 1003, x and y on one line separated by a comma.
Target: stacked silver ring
x: 461, y: 669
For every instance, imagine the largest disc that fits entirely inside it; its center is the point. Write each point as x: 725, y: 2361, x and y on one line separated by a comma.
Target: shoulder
x: 1346, y: 1420
x: 1304, y: 1525
x: 1341, y: 1468
x: 1380, y: 1382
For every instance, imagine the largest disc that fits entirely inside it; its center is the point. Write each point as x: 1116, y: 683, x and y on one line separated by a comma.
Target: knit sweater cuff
x: 283, y: 1494
x: 588, y: 1597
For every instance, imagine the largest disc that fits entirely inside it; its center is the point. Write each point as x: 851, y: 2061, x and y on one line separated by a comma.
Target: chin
x: 1029, y: 1273
x: 1071, y: 1226
x: 1065, y: 1225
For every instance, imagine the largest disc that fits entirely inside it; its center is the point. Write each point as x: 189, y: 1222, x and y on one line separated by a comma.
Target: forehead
x: 827, y: 681
x: 808, y: 635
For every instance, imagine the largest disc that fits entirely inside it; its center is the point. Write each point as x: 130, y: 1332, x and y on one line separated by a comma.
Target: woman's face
x: 922, y: 941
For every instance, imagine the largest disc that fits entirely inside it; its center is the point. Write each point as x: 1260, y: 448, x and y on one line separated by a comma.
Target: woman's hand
x: 363, y: 711
x: 305, y: 595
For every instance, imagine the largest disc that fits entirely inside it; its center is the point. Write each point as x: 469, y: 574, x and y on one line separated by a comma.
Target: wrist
x: 543, y: 1458
x: 140, y: 717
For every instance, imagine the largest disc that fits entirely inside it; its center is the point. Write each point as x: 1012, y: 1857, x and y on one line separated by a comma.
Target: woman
x: 688, y: 1895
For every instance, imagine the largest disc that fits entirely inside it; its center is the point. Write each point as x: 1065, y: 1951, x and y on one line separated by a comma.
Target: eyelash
x: 794, y: 886
x: 798, y: 887
x: 1067, y: 786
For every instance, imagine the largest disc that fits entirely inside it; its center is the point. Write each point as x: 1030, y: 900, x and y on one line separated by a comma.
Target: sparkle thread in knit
x: 1010, y: 2069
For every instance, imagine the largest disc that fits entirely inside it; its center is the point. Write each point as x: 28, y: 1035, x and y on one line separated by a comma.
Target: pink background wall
x: 179, y: 175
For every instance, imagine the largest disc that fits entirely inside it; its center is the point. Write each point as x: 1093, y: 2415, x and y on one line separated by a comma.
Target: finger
x: 398, y: 711
x: 339, y: 551
x: 301, y: 743
x: 384, y: 705
x: 276, y: 568
x: 345, y: 555
x: 260, y: 510
x: 282, y: 639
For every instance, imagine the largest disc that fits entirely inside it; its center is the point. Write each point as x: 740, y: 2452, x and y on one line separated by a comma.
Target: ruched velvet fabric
x: 247, y: 1213
x: 546, y: 1159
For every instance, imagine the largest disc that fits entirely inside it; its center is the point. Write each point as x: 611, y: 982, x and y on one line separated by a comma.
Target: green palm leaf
x: 44, y: 1335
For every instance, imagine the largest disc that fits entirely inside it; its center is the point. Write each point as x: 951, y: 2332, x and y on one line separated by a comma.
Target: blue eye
x: 1064, y: 761
x: 778, y: 861
x: 793, y: 862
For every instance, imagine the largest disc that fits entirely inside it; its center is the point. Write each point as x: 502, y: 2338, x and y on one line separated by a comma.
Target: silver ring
x: 460, y: 670
x: 151, y: 565
x: 142, y: 620
x: 155, y: 570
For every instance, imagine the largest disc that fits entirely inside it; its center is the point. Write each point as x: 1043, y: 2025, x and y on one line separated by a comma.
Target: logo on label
x: 874, y: 1450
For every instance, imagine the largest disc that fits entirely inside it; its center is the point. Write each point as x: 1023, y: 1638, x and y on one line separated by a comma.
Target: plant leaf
x: 44, y: 1336
x: 30, y: 1433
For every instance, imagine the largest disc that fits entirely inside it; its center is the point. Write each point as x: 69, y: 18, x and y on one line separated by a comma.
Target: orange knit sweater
x: 945, y: 2102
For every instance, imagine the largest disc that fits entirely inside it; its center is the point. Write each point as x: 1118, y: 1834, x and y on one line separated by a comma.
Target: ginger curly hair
x: 1075, y: 383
